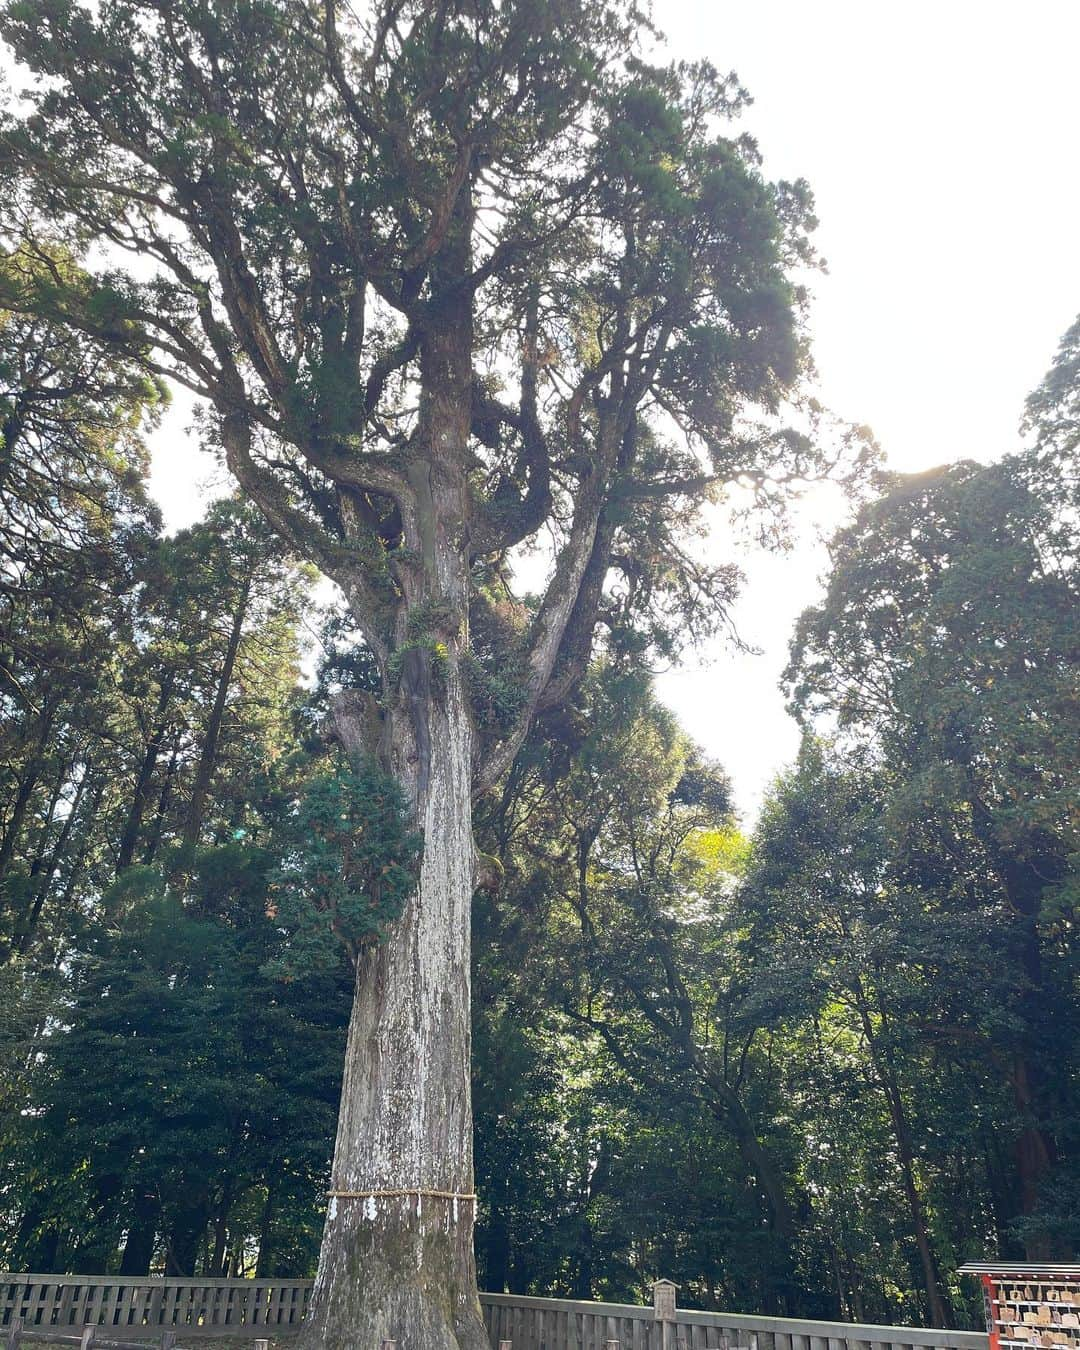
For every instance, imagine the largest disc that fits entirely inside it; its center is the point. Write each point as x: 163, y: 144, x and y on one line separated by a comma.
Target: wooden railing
x: 560, y: 1324
x: 138, y: 1308
x: 134, y: 1309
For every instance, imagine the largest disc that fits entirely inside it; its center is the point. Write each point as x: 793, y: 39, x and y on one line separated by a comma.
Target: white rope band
x: 418, y: 1191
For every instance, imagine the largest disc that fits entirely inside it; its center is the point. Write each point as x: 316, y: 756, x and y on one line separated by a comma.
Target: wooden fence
x: 133, y: 1308
x: 141, y: 1309
x: 561, y: 1324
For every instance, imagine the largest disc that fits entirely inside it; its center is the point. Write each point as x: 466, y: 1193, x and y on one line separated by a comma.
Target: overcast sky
x: 940, y: 141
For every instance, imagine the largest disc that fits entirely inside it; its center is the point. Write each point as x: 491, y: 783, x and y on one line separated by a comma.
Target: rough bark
x: 401, y: 1266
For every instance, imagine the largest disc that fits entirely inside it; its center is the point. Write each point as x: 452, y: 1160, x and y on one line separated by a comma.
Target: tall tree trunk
x: 21, y: 920
x: 397, y: 1253
x: 47, y: 871
x: 1025, y: 876
x: 82, y: 849
x: 139, y: 1243
x: 885, y: 1073
x: 37, y: 1241
x: 400, y: 1267
x: 200, y: 791
x: 129, y: 837
x: 219, y: 1259
x: 185, y: 1235
x: 27, y: 783
x: 265, y: 1268
x: 1035, y: 1148
x: 496, y: 1250
x: 154, y: 834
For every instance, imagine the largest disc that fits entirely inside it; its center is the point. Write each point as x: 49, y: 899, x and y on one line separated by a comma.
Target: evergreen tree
x: 444, y: 274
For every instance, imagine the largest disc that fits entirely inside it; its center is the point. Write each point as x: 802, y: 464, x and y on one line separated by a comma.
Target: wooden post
x: 262, y: 1345
x: 14, y: 1332
x: 506, y: 1345
x: 611, y: 1345
x: 87, y: 1338
x: 389, y: 1345
x: 663, y: 1293
x: 168, y: 1340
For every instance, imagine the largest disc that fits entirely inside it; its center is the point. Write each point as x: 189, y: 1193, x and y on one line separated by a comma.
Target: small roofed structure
x: 1030, y: 1304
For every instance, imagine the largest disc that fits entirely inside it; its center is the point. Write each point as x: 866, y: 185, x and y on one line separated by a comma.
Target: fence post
x: 168, y: 1340
x: 389, y: 1345
x: 663, y: 1293
x: 611, y: 1345
x: 262, y: 1345
x: 506, y: 1345
x: 14, y: 1332
x: 87, y: 1338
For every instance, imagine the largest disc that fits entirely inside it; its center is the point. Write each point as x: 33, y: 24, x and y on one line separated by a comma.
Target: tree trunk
x: 200, y: 791
x: 881, y: 1060
x: 219, y: 1260
x: 397, y: 1254
x: 154, y: 834
x: 21, y: 921
x: 125, y: 852
x: 139, y: 1243
x: 400, y: 1267
x: 1035, y: 1147
x: 27, y: 784
x: 82, y: 848
x: 496, y: 1251
x: 47, y: 868
x: 1025, y: 875
x: 185, y: 1235
x: 265, y: 1268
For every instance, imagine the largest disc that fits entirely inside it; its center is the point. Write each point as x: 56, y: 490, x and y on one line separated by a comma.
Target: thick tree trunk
x: 185, y: 1235
x: 400, y: 1266
x: 397, y: 1254
x: 139, y: 1243
x: 1025, y: 875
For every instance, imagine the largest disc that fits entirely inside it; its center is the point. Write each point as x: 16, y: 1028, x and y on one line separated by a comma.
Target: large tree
x: 451, y: 277
x: 947, y: 640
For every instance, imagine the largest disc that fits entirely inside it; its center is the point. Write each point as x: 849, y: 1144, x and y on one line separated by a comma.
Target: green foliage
x: 583, y: 227
x: 947, y: 643
x: 803, y: 1073
x: 349, y: 864
x: 169, y: 1082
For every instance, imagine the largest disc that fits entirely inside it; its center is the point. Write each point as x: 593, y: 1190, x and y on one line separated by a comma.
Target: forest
x: 806, y: 1065
x: 812, y: 1068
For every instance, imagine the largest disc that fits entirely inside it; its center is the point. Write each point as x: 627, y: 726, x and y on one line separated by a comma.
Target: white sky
x: 940, y: 141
